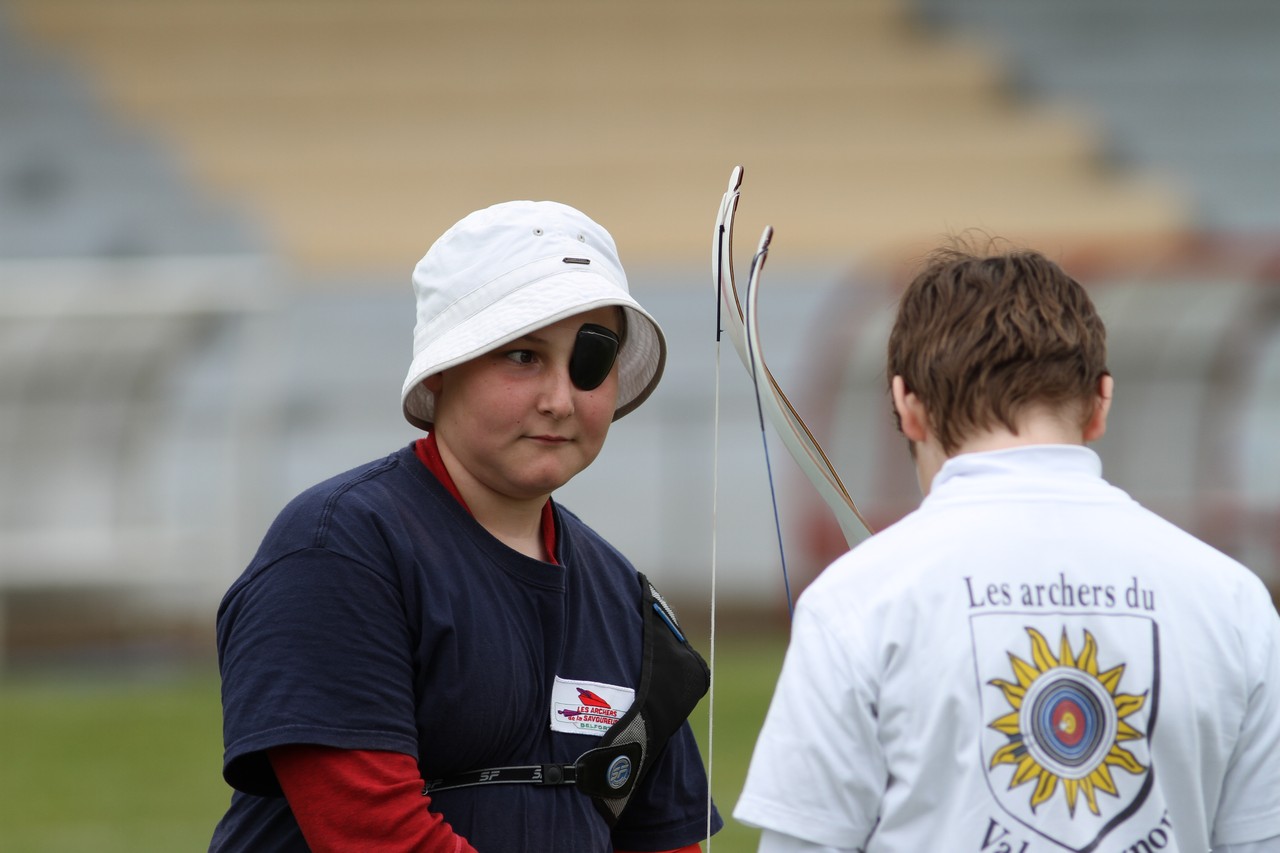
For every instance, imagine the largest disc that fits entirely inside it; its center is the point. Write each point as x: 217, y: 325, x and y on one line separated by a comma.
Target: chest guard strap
x: 609, y: 773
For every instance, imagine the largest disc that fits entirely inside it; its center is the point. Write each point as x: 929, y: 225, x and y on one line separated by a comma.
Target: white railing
x: 95, y: 410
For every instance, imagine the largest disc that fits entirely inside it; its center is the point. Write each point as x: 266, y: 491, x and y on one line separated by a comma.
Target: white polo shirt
x: 1029, y: 662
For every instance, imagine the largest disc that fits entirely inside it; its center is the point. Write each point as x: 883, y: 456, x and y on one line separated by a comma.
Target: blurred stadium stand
x: 359, y: 130
x: 1187, y: 92
x: 209, y: 210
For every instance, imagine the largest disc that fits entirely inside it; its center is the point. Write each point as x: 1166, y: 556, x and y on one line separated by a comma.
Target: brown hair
x: 980, y: 339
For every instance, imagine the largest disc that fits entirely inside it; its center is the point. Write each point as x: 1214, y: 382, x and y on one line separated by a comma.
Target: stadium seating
x: 1186, y: 91
x: 355, y: 128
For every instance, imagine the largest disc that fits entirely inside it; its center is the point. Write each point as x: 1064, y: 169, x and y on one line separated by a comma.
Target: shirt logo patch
x: 1068, y: 707
x: 587, y: 707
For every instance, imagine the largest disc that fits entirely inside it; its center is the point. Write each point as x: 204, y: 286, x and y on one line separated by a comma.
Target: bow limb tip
x: 762, y: 251
x: 735, y: 179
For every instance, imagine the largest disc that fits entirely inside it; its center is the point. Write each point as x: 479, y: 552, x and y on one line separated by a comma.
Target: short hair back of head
x: 982, y: 338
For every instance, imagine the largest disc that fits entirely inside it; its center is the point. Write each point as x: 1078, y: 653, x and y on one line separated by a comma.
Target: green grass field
x: 130, y: 764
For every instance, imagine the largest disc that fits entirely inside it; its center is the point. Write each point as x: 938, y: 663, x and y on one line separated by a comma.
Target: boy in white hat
x: 428, y: 653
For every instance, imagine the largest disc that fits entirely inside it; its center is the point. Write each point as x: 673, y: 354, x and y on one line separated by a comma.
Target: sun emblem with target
x: 1067, y: 723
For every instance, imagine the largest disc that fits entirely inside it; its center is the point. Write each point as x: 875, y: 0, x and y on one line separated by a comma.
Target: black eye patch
x: 593, y: 355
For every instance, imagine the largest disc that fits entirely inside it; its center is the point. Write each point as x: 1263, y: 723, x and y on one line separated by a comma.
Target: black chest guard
x: 610, y: 772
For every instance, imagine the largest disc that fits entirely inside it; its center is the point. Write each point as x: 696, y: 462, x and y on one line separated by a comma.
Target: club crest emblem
x: 1068, y: 708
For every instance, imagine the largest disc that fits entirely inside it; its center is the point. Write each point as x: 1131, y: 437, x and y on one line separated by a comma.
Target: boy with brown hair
x: 1030, y: 661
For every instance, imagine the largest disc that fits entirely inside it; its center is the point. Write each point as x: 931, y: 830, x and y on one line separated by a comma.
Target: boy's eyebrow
x: 531, y: 337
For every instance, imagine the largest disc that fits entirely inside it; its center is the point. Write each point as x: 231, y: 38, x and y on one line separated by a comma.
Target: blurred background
x: 209, y: 211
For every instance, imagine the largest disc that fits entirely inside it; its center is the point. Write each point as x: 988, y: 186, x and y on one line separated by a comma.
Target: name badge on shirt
x: 587, y: 707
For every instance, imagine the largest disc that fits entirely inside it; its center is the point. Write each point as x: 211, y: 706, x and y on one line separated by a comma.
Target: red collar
x: 428, y: 452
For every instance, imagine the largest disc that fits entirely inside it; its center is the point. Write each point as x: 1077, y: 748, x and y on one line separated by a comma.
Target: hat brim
x: 640, y: 361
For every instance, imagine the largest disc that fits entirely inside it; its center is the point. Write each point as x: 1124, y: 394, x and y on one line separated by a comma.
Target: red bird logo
x: 586, y: 697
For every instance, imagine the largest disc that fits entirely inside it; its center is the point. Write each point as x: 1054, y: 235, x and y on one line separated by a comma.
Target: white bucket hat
x: 509, y: 269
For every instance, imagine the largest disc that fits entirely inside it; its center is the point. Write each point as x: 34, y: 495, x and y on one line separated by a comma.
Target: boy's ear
x: 911, y: 415
x: 1096, y: 427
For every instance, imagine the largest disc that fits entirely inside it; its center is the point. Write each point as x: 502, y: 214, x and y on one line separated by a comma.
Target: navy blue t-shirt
x: 379, y: 615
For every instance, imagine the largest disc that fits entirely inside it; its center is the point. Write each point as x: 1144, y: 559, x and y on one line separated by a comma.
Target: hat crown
x: 453, y: 280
